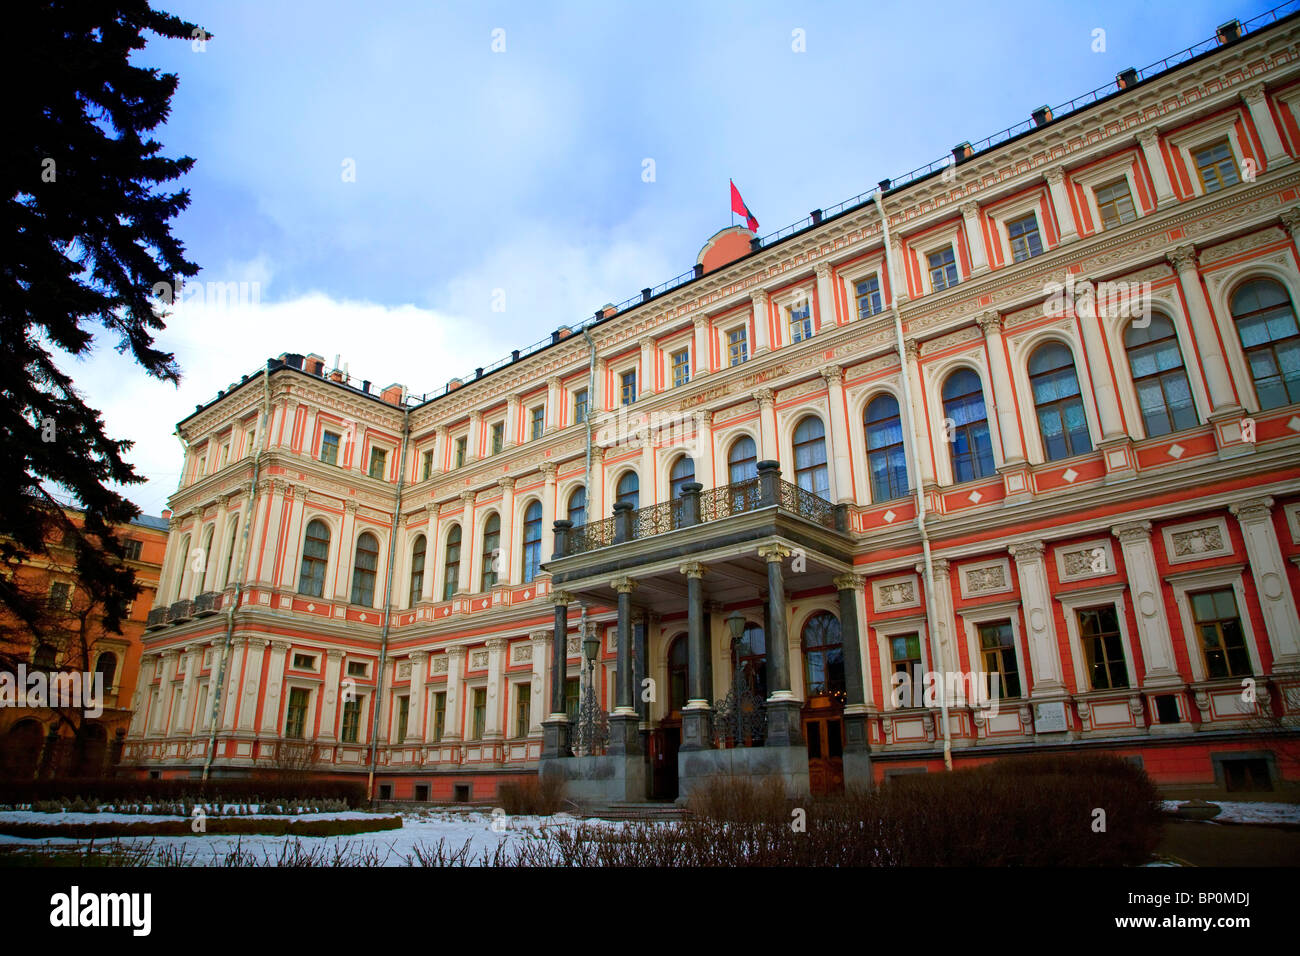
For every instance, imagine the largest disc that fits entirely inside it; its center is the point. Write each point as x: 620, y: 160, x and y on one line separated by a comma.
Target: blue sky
x: 521, y: 170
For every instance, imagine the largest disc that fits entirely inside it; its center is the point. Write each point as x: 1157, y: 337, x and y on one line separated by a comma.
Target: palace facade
x: 1033, y: 414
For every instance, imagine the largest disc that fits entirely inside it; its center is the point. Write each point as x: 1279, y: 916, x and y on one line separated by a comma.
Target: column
x: 266, y: 560
x: 1150, y: 143
x: 475, y: 436
x: 943, y: 649
x: 548, y: 510
x: 552, y: 403
x: 1268, y: 568
x: 1004, y: 395
x: 496, y: 647
x: 432, y: 548
x: 1036, y: 602
x: 839, y: 434
x: 624, y: 735
x: 703, y: 353
x: 898, y: 283
x: 541, y: 645
x: 173, y: 564
x: 1061, y: 201
x: 646, y: 374
x: 702, y: 452
x: 513, y: 404
x: 783, y: 725
x: 849, y: 587
x: 767, y: 444
x: 234, y: 678
x: 509, y: 571
x: 596, y: 492
x: 979, y: 260
x: 1148, y: 604
x: 297, y: 505
x: 762, y: 330
x: 453, y: 724
x: 467, y: 545
x: 696, y: 715
x: 1256, y: 101
x: 274, y: 685
x: 163, y: 704
x: 555, y: 729
x: 916, y: 419
x: 1222, y: 398
x: 1103, y: 386
x: 596, y: 402
x: 827, y: 312
x: 330, y: 703
x: 211, y: 573
x: 206, y: 719
x: 340, y: 571
x: 139, y: 699
x: 183, y: 722
x: 415, y: 709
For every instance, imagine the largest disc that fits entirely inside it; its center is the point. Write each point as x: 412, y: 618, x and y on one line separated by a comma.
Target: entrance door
x: 664, y: 744
x: 825, y: 736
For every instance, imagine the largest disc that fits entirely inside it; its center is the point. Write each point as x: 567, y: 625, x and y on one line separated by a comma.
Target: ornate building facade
x: 1026, y: 422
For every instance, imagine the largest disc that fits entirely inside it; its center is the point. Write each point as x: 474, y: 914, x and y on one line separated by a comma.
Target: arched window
x: 1270, y: 338
x: 1055, y: 385
x: 363, y: 570
x: 629, y: 490
x: 417, y: 569
x: 742, y: 460
x: 491, y: 552
x: 532, y: 540
x: 451, y: 572
x: 678, y: 675
x: 749, y: 654
x: 683, y: 472
x: 106, y: 664
x: 186, y: 559
x: 201, y: 575
x: 230, y: 553
x: 1159, y: 378
x: 578, y: 507
x: 968, y: 425
x: 810, y: 472
x: 886, y: 459
x: 315, y: 558
x: 823, y: 656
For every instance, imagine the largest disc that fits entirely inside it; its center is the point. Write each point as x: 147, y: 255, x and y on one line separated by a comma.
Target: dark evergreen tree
x: 85, y: 239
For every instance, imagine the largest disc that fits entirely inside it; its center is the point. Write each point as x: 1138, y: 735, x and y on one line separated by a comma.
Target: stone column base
x: 697, y: 728
x: 555, y: 739
x: 857, y: 770
x: 784, y: 725
x: 624, y: 735
x: 698, y: 768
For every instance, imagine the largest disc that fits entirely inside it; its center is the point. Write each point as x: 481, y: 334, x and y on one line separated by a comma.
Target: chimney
x: 755, y: 244
x: 1229, y: 32
x: 816, y: 215
x: 1126, y: 79
x: 166, y: 514
x: 1042, y: 115
x: 454, y: 384
x: 961, y: 152
x: 609, y: 310
x: 514, y: 355
x: 645, y: 295
x: 365, y: 386
x: 393, y: 394
x: 699, y: 269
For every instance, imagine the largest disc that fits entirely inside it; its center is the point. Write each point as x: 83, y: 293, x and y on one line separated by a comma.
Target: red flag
x: 740, y: 209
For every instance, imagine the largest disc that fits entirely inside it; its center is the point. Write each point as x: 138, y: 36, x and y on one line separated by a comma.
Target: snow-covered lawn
x: 1236, y: 811
x: 395, y: 847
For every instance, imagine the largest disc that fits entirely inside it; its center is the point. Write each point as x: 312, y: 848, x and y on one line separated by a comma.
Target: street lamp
x: 736, y: 627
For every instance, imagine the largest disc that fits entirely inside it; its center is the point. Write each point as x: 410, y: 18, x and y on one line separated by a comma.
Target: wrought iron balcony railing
x: 696, y: 506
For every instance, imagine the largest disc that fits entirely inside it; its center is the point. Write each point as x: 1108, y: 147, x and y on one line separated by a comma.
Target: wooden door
x: 664, y: 744
x: 825, y: 737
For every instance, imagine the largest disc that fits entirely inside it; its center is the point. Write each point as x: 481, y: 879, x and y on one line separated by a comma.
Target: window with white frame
x: 868, y: 295
x: 1115, y: 203
x: 942, y: 264
x: 738, y: 346
x: 681, y: 367
x: 1022, y: 233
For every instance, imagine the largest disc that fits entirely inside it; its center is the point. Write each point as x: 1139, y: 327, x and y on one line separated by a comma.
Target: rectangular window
x: 426, y: 465
x: 1218, y: 625
x: 905, y: 654
x: 60, y: 595
x: 539, y: 421
x: 439, y: 714
x: 943, y: 269
x: 801, y: 321
x: 498, y: 437
x: 358, y: 669
x: 579, y: 406
x: 304, y: 662
x: 523, y: 709
x: 681, y: 368
x: 1115, y: 203
x: 480, y: 712
x: 225, y: 455
x: 296, y: 719
x: 1216, y: 166
x: 738, y: 346
x: 250, y: 437
x: 329, y: 448
x: 998, y: 650
x: 1103, y: 651
x: 378, y: 463
x: 403, y: 717
x: 1023, y: 235
x: 627, y: 387
x: 133, y: 546
x: 868, y: 292
x: 461, y: 444
x: 351, y: 720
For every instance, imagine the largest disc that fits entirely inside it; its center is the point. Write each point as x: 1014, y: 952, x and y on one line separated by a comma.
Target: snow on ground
x: 1236, y: 811
x: 481, y: 830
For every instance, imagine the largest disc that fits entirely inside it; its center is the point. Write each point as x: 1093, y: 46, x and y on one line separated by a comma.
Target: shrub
x: 531, y: 796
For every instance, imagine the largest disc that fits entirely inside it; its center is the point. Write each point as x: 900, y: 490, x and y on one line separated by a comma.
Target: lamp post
x: 736, y: 627
x: 590, y: 713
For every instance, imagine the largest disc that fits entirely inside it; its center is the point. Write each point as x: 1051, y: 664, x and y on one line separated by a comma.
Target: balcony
x: 157, y: 618
x: 207, y: 604
x: 180, y: 611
